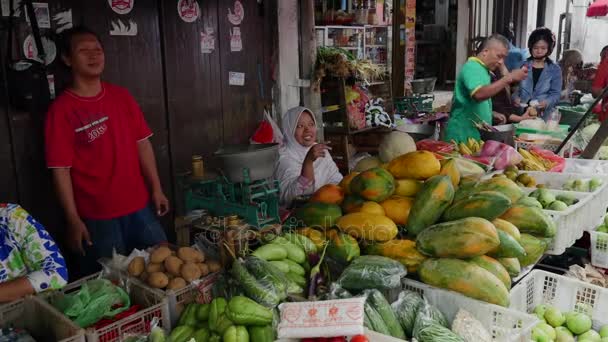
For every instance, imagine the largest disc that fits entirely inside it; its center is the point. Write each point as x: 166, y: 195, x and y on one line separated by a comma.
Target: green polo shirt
x: 474, y: 75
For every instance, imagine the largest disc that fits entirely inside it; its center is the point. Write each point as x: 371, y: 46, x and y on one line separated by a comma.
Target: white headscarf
x: 292, y: 155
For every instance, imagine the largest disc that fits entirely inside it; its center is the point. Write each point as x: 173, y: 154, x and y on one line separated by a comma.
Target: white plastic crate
x: 571, y: 223
x: 138, y: 323
x: 200, y: 292
x: 503, y: 323
x: 599, y: 249
x: 586, y: 166
x: 541, y: 287
x: 597, y: 206
x: 40, y: 320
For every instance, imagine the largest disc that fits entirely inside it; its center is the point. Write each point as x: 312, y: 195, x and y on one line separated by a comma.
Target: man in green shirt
x: 473, y: 90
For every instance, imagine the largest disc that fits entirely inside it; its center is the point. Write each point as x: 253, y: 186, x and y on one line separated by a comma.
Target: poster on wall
x: 236, y: 78
x: 410, y: 41
x: 5, y: 7
x: 63, y: 21
x: 236, y: 17
x: 43, y: 17
x: 236, y: 42
x: 207, y: 40
x: 31, y: 52
x: 120, y: 29
x: 188, y: 10
x: 121, y: 6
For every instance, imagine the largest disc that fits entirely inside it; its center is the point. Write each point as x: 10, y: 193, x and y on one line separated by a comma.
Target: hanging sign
x: 188, y: 10
x: 236, y: 43
x: 410, y: 41
x: 121, y: 6
x: 239, y: 13
x: 207, y: 40
x: 31, y: 52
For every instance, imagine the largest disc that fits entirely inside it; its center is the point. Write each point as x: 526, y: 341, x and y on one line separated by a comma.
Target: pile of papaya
x: 438, y: 218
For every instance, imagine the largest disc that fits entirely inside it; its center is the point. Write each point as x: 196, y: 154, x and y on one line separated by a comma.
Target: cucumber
x: 267, y: 275
x: 372, y: 272
x: 295, y: 268
x: 298, y: 279
x: 302, y: 241
x: 383, y: 308
x: 271, y: 252
x: 294, y: 252
x: 251, y: 287
x: 280, y: 265
x: 375, y: 320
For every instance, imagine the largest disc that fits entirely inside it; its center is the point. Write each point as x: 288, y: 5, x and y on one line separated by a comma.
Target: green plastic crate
x: 413, y: 104
x: 563, y: 131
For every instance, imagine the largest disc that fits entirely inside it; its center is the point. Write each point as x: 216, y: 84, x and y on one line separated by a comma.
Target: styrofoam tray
x: 503, y: 323
x: 540, y: 287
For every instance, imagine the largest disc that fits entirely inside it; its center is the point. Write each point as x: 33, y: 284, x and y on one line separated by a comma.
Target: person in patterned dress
x: 30, y: 261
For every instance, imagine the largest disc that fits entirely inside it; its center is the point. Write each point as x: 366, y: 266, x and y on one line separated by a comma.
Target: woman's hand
x: 316, y: 152
x: 499, y: 118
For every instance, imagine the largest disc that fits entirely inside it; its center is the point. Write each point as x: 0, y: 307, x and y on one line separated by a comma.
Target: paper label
x: 207, y: 40
x: 236, y: 43
x: 236, y: 78
x: 343, y: 317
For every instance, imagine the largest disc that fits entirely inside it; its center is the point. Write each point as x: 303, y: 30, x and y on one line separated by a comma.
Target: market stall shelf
x: 138, y: 323
x: 40, y: 320
x: 504, y: 324
x: 564, y: 293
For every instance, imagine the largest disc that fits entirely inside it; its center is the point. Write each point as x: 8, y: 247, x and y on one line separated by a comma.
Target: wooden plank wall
x: 183, y: 93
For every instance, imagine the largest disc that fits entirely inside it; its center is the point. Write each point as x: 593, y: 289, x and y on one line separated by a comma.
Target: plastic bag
x: 548, y: 155
x: 95, y: 300
x: 267, y: 132
x: 269, y: 276
x: 436, y: 146
x: 337, y: 292
x: 372, y: 272
x: 469, y: 328
x: 503, y: 154
x: 428, y: 315
x: 406, y: 308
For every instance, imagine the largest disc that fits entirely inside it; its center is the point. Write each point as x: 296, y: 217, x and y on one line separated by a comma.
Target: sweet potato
x: 189, y: 254
x: 136, y: 266
x: 160, y: 254
x: 173, y: 265
x: 176, y: 283
x: 154, y: 267
x: 190, y: 271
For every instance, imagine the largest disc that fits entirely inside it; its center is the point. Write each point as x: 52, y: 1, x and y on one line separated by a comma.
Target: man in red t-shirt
x: 599, y: 83
x: 103, y: 165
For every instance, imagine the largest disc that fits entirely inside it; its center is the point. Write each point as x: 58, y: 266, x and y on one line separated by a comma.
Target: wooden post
x: 398, y: 61
x: 308, y: 57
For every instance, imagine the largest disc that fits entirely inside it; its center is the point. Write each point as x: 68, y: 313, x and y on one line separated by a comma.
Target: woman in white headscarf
x: 304, y: 165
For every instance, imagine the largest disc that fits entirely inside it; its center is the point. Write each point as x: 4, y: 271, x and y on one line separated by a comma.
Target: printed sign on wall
x: 207, y: 40
x: 188, y: 10
x: 31, y: 52
x: 121, y: 6
x: 239, y: 13
x: 63, y: 21
x: 236, y: 42
x: 120, y: 29
x: 41, y: 10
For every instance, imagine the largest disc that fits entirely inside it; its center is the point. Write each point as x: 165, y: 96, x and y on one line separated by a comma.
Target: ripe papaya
x: 508, y: 248
x: 367, y: 226
x: 352, y: 203
x: 507, y: 227
x: 493, y: 266
x: 419, y: 165
x: 450, y: 168
x: 530, y: 220
x: 436, y: 195
x: 465, y: 238
x: 397, y: 208
x: 511, y: 265
x: 329, y: 194
x: 375, y: 184
x: 466, y: 278
x: 486, y: 204
x: 403, y: 251
x: 345, y: 182
x: 319, y: 215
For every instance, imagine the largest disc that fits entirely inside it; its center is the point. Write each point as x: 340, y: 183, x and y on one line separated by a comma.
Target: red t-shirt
x: 97, y: 138
x: 601, y: 81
